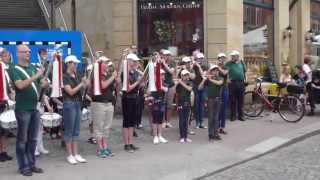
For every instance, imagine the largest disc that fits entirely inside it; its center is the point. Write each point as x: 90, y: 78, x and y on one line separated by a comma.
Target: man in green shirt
x: 26, y: 81
x: 236, y: 71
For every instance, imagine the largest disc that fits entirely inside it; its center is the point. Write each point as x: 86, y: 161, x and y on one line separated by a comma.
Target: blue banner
x: 69, y: 42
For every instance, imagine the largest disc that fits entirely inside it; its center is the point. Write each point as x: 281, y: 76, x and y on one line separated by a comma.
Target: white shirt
x: 306, y: 68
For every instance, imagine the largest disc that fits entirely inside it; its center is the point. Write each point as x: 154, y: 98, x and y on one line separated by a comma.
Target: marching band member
x: 140, y: 100
x: 41, y: 108
x: 168, y: 66
x: 158, y: 110
x: 186, y: 64
x: 103, y: 100
x: 214, y: 84
x: 6, y: 93
x: 199, y: 68
x: 72, y: 108
x: 224, y: 94
x: 131, y: 80
x: 26, y: 79
x: 183, y: 89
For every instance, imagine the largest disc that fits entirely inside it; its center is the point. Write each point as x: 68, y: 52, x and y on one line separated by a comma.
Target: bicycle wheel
x: 291, y: 108
x: 253, y: 104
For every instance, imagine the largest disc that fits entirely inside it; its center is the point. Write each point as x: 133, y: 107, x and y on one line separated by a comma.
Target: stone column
x: 223, y: 26
x: 300, y: 22
x: 123, y: 25
x: 281, y: 22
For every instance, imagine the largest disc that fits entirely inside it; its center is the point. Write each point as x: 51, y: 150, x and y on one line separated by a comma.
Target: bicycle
x: 289, y: 106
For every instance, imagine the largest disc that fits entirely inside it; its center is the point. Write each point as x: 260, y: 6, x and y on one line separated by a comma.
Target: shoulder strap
x: 28, y: 77
x: 244, y: 70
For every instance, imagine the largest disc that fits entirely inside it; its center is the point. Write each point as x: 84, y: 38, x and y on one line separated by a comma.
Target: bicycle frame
x: 258, y: 90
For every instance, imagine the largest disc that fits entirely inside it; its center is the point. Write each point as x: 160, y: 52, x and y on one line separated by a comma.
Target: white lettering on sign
x: 158, y: 6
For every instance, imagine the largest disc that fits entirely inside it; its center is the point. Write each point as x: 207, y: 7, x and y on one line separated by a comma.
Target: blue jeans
x: 199, y: 106
x: 27, y: 134
x: 71, y: 120
x: 224, y: 106
x: 184, y: 112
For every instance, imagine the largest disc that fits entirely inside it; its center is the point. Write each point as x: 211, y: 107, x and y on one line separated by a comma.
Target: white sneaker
x: 156, y: 140
x: 182, y: 140
x: 188, y: 140
x: 162, y: 139
x: 169, y: 125
x: 71, y: 160
x: 164, y: 125
x: 80, y: 159
x: 44, y: 151
x: 37, y: 153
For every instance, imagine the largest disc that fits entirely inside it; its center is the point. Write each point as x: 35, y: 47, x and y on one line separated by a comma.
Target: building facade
x: 279, y: 31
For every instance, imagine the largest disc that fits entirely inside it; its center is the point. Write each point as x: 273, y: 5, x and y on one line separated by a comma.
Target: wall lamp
x: 309, y: 36
x: 287, y: 32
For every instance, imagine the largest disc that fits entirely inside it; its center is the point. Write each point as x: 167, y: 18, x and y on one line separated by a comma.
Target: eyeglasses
x: 24, y: 52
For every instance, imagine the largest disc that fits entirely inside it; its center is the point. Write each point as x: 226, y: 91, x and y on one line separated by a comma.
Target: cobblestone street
x: 299, y: 161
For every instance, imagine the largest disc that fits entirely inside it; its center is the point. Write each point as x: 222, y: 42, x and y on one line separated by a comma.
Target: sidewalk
x: 168, y: 161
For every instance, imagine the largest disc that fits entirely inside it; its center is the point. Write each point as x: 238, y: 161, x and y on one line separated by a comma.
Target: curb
x: 270, y: 145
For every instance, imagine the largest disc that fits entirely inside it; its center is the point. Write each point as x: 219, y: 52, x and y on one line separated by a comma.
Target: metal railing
x: 44, y: 8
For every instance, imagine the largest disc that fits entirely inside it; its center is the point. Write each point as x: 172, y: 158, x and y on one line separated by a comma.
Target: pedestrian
x: 237, y: 75
x: 214, y: 86
x: 184, y: 89
x: 103, y: 101
x: 313, y: 90
x: 26, y: 80
x: 73, y: 85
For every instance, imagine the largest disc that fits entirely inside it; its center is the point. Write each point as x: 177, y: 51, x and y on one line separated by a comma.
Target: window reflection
x: 163, y: 24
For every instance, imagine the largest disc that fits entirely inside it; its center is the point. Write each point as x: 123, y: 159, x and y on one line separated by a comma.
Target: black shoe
x: 217, y: 137
x: 135, y: 148
x: 241, y: 119
x: 92, y: 140
x: 211, y: 138
x: 6, y: 156
x: 36, y: 170
x: 311, y: 113
x: 26, y: 172
x: 128, y: 149
x: 11, y: 135
x: 135, y: 134
x: 2, y: 158
x: 63, y: 144
x: 232, y: 119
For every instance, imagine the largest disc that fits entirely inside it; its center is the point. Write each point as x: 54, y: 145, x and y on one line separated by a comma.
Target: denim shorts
x: 71, y: 120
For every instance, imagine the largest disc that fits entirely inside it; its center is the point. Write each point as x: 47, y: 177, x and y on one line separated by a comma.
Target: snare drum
x: 51, y: 120
x: 8, y: 120
x: 86, y: 115
x: 11, y: 104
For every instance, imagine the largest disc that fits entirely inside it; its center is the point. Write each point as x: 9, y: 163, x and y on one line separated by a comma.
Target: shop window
x: 315, y: 16
x: 170, y: 24
x: 258, y: 30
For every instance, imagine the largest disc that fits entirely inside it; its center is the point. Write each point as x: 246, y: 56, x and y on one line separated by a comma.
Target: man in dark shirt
x: 313, y: 89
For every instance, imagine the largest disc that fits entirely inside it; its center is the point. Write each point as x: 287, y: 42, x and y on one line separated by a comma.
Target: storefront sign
x: 171, y: 5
